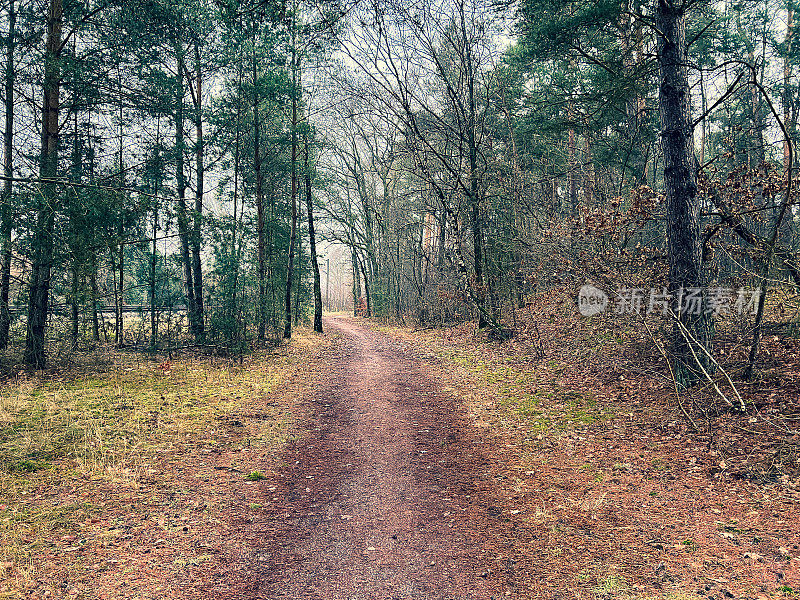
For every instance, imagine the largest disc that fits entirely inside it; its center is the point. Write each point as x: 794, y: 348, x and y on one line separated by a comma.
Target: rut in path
x: 379, y: 498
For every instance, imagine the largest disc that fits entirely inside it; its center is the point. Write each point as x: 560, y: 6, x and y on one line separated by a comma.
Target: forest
x: 583, y: 210
x: 168, y: 162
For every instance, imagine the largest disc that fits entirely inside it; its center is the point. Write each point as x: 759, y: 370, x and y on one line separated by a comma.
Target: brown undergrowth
x: 617, y: 494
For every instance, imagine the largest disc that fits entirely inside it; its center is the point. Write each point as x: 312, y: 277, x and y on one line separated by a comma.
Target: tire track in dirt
x: 379, y: 497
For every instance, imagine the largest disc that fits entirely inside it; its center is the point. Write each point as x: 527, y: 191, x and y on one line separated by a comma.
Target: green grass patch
x: 526, y: 394
x: 611, y: 585
x: 111, y: 424
x: 121, y: 416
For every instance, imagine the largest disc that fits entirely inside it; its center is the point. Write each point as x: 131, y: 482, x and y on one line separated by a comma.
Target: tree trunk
x: 260, y: 219
x: 287, y: 330
x: 93, y: 285
x: 42, y: 263
x: 787, y: 74
x: 153, y: 283
x: 234, y: 226
x: 153, y: 264
x: 588, y: 178
x: 356, y: 280
x: 367, y: 298
x: 477, y: 248
x: 757, y: 154
x: 119, y: 328
x: 572, y: 163
x: 680, y: 187
x: 298, y: 276
x: 115, y: 285
x: 474, y: 192
x: 6, y: 213
x: 76, y: 248
x: 73, y: 305
x: 313, y: 243
x: 197, y: 234
x: 183, y: 219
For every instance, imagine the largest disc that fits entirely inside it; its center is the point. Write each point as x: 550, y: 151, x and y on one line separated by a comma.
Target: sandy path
x: 378, y: 501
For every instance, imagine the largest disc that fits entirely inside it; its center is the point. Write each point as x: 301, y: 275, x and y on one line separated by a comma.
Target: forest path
x: 378, y: 499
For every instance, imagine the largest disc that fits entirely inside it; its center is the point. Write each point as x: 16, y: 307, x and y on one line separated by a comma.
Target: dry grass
x: 115, y: 425
x: 591, y: 434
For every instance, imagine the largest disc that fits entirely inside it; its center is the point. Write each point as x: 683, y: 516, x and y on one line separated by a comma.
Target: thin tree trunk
x: 356, y: 281
x: 183, y: 219
x: 313, y: 243
x: 260, y: 220
x: 42, y: 263
x: 93, y: 285
x: 442, y: 249
x: 119, y: 335
x: 298, y: 278
x: 572, y: 163
x: 477, y: 248
x: 787, y: 74
x: 153, y: 264
x: 236, y: 159
x: 6, y: 213
x: 588, y: 178
x: 197, y: 235
x: 73, y: 306
x: 75, y: 248
x: 115, y: 285
x: 287, y: 330
x: 755, y: 155
x: 703, y: 124
x: 474, y: 193
x: 154, y: 254
x: 366, y: 289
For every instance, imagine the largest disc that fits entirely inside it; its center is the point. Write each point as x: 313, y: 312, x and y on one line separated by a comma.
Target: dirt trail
x: 379, y: 498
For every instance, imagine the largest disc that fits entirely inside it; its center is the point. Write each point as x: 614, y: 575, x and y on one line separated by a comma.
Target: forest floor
x: 388, y: 462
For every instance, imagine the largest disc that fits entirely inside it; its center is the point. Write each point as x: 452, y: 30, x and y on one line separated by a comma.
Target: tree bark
x: 42, y: 263
x: 73, y: 305
x: 118, y: 269
x: 153, y: 264
x: 366, y: 290
x: 157, y: 183
x: 474, y: 188
x: 119, y: 329
x: 572, y: 161
x: 234, y: 226
x: 6, y: 213
x: 356, y: 280
x: 287, y: 329
x: 197, y: 233
x: 313, y: 243
x: 680, y: 187
x: 260, y: 216
x: 183, y: 219
x: 787, y: 73
x: 93, y: 285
